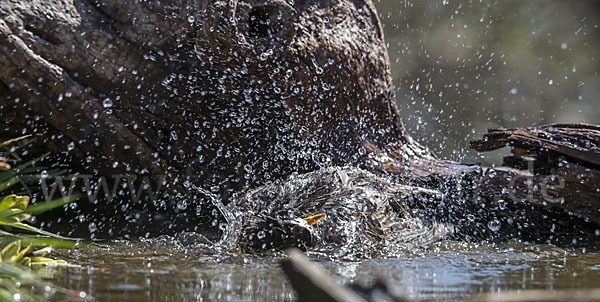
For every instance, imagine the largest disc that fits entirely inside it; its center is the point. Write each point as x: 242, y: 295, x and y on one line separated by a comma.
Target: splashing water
x: 363, y: 216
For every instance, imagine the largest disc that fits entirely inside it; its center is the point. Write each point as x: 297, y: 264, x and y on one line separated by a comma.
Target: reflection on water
x: 164, y: 271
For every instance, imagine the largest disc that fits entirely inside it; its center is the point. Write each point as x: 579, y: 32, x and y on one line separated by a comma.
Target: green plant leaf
x: 33, y: 229
x: 21, y: 202
x: 12, y: 209
x: 9, y: 212
x: 26, y: 261
x: 45, y: 241
x: 8, y: 202
x: 10, y: 252
x: 23, y: 169
x: 57, y: 243
x: 22, y: 253
x: 43, y: 261
x: 45, y: 206
x: 15, y: 202
x: 17, y: 217
x: 25, y: 186
x: 9, y: 183
x: 5, y: 233
x: 32, y: 162
x: 11, y: 273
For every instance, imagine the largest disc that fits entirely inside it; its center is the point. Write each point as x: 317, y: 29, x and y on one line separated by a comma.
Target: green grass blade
x: 9, y: 183
x: 38, y: 208
x: 23, y: 226
x: 25, y: 186
x: 31, y: 162
x: 7, y: 237
x: 9, y: 212
x: 56, y: 243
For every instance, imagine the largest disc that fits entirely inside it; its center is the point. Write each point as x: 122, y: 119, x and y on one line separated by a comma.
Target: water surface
x: 163, y: 270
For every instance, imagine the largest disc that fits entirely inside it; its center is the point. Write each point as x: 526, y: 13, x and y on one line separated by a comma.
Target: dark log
x: 219, y: 95
x: 222, y: 96
x: 203, y: 88
x: 554, y: 167
x: 576, y: 142
x: 312, y: 283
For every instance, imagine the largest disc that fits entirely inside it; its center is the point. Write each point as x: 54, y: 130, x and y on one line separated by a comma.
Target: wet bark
x: 227, y: 95
x: 202, y: 88
x: 555, y: 167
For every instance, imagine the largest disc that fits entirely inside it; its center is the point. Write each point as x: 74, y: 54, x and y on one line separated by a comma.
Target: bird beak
x: 314, y: 219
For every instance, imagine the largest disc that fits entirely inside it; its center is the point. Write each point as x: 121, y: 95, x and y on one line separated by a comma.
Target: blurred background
x: 462, y: 66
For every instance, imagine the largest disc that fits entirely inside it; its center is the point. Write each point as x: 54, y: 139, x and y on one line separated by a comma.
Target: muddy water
x: 162, y: 270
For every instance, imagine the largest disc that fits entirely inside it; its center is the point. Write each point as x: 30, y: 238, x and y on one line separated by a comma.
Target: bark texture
x: 554, y: 166
x: 227, y: 95
x: 199, y: 88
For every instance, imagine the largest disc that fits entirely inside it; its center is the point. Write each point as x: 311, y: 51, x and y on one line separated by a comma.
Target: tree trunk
x: 225, y: 95
x: 233, y: 92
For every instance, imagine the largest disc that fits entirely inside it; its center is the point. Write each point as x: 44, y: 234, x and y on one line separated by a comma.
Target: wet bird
x: 335, y: 207
x: 339, y: 209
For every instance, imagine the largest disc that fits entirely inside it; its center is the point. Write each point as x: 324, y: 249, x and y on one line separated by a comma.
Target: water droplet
x: 107, y: 103
x: 71, y: 146
x: 494, y: 225
x: 92, y: 227
x: 266, y: 54
x: 44, y: 174
x: 191, y: 19
x: 261, y: 235
x: 501, y: 204
x: 318, y: 68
